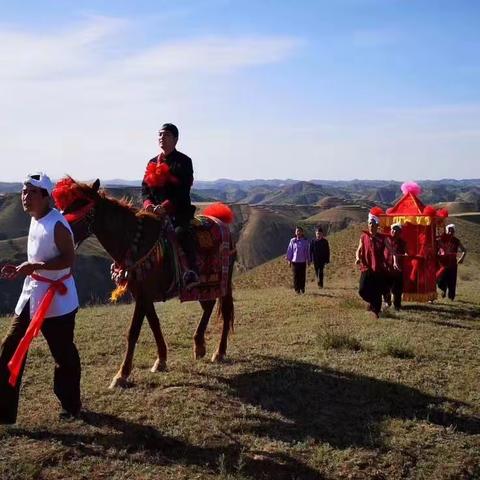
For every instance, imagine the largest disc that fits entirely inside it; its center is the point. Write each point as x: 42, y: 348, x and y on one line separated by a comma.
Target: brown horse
x: 116, y: 225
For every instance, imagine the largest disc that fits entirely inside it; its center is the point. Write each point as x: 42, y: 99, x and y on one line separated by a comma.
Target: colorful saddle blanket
x: 214, y: 251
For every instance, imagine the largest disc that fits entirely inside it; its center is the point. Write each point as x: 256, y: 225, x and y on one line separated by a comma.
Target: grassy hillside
x: 301, y: 193
x: 14, y: 222
x: 337, y: 218
x: 263, y: 237
x: 458, y: 207
x: 469, y: 217
x: 342, y: 269
x: 262, y: 231
x: 314, y: 388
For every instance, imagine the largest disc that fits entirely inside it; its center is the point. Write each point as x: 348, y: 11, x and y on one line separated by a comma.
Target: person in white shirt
x: 50, y: 254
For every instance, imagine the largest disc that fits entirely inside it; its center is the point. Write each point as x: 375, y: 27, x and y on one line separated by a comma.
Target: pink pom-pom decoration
x: 411, y: 187
x: 429, y: 211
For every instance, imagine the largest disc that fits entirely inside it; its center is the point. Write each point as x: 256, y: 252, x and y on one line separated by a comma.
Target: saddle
x: 214, y: 250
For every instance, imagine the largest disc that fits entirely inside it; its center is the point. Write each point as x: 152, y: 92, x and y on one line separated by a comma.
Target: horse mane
x: 127, y: 204
x: 124, y: 202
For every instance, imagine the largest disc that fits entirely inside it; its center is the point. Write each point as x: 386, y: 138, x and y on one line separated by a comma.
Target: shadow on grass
x: 342, y: 409
x: 452, y: 310
x: 144, y: 444
x: 321, y: 294
x: 446, y: 315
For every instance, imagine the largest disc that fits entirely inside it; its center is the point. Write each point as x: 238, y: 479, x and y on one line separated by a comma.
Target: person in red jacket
x: 448, y: 247
x: 395, y: 267
x: 166, y: 191
x: 371, y: 256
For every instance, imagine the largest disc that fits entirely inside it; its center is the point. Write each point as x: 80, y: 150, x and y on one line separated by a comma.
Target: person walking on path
x: 448, y: 247
x: 48, y: 302
x: 298, y: 257
x: 395, y: 266
x: 319, y: 254
x: 371, y: 256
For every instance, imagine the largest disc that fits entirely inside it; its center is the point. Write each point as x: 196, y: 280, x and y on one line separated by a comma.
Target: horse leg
x: 121, y: 378
x: 154, y: 322
x: 199, y: 348
x: 226, y: 312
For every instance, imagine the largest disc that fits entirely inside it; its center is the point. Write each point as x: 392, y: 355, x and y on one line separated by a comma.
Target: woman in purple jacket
x: 298, y: 256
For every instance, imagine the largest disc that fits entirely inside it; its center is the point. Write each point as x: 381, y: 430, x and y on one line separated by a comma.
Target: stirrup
x: 190, y: 279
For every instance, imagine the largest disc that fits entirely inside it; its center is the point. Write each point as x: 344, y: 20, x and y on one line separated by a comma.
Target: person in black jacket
x: 320, y: 254
x: 169, y: 194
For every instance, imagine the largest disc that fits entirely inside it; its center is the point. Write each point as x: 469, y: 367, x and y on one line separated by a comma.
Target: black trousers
x: 299, y: 273
x: 58, y: 332
x: 371, y: 288
x: 394, y: 285
x: 397, y: 289
x: 186, y: 239
x: 448, y: 282
x: 319, y: 273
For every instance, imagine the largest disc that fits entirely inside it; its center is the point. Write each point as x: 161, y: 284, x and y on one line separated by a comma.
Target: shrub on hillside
x: 396, y: 347
x: 338, y: 341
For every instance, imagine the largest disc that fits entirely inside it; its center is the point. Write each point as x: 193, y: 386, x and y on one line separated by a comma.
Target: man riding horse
x: 166, y: 191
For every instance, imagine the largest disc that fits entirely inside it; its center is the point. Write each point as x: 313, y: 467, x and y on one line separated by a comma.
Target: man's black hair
x: 170, y: 127
x: 319, y: 229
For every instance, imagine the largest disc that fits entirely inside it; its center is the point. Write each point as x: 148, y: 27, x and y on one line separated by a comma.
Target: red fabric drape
x: 419, y: 268
x: 16, y: 362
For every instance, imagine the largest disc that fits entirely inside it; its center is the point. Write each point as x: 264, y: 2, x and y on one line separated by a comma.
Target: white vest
x: 41, y: 248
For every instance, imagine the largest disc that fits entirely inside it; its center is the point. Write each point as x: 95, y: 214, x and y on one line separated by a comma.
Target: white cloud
x: 29, y: 56
x: 211, y: 55
x: 73, y: 98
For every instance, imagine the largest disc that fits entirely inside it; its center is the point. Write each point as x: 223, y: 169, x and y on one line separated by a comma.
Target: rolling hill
x: 301, y: 193
x: 13, y: 220
x: 338, y: 218
x: 262, y: 228
x: 458, y: 207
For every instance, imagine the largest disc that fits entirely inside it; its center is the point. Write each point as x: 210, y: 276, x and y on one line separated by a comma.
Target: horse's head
x: 77, y: 202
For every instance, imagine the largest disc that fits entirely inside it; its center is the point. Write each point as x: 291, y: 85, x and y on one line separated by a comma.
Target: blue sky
x: 275, y: 89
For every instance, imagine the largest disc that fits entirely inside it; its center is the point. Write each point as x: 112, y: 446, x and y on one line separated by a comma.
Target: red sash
x: 16, y: 362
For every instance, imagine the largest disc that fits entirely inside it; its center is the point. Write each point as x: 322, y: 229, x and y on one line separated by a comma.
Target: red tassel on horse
x: 221, y: 211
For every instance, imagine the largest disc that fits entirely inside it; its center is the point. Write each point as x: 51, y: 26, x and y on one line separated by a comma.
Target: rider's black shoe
x: 190, y: 279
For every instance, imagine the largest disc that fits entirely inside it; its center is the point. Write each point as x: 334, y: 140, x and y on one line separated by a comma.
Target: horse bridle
x: 86, y: 215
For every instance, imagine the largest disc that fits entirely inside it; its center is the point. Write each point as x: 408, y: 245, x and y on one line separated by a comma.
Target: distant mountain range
x: 266, y: 212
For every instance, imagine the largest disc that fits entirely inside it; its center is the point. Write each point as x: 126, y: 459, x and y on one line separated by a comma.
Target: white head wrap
x: 373, y: 218
x: 42, y: 182
x: 396, y: 225
x: 451, y: 225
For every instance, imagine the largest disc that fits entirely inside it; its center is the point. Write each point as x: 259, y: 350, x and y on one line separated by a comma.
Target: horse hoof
x: 119, y: 382
x: 159, y: 366
x: 199, y: 351
x: 218, y: 357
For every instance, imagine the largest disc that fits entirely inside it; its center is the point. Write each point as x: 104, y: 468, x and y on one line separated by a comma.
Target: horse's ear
x: 96, y: 185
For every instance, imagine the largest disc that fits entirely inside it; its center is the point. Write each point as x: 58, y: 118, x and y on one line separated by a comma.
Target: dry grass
x: 283, y: 406
x: 405, y: 405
